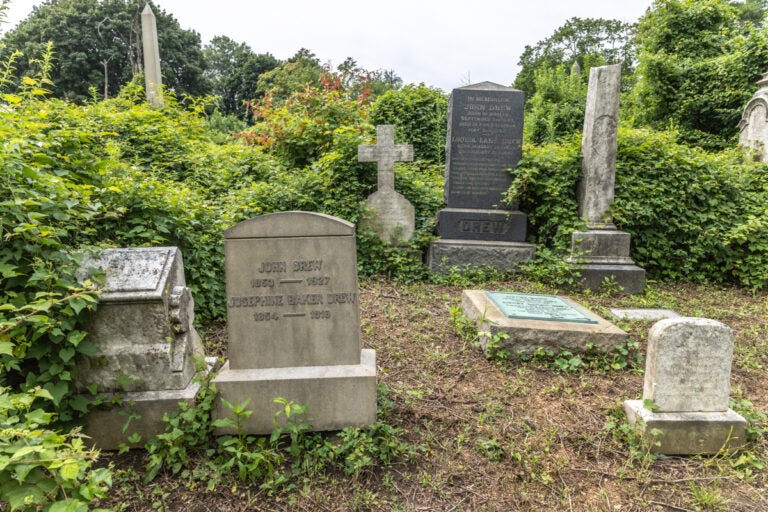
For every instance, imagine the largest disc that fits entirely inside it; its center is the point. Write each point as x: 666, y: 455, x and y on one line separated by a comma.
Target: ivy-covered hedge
x: 693, y: 215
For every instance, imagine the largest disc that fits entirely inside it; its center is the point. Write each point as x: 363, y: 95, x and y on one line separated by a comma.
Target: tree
x: 233, y: 70
x: 97, y: 44
x: 581, y: 41
x: 294, y: 75
x: 698, y: 62
x: 557, y: 108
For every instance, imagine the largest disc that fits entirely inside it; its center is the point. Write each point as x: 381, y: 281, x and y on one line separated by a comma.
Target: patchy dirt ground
x: 507, y: 436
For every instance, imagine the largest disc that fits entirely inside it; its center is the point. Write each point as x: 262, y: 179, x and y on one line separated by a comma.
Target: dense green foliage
x: 557, y: 108
x: 97, y: 45
x: 419, y: 114
x: 693, y: 215
x: 42, y: 469
x: 698, y: 63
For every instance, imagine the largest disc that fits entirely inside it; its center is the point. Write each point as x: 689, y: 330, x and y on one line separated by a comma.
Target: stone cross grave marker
x: 153, y: 79
x: 393, y: 215
x: 688, y: 380
x: 294, y: 323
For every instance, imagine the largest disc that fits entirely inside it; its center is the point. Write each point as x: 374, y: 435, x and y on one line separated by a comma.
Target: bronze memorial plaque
x: 528, y: 306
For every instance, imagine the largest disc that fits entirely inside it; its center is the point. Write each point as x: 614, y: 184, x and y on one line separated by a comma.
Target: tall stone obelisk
x: 602, y: 251
x: 153, y: 80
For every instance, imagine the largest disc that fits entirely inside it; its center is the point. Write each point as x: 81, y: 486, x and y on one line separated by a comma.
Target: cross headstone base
x: 393, y: 217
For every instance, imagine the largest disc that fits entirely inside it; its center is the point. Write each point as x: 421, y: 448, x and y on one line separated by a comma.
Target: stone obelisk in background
x: 153, y: 80
x: 602, y: 251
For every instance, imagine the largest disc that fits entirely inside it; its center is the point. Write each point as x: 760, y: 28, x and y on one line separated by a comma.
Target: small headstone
x: 643, y: 314
x: 294, y: 323
x: 483, y: 147
x: 143, y: 329
x: 393, y: 215
x: 533, y: 321
x: 753, y: 127
x: 602, y: 251
x: 687, y: 378
x: 153, y: 78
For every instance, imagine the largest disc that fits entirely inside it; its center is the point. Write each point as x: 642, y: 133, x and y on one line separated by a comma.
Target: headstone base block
x: 630, y: 277
x: 688, y: 433
x: 105, y: 427
x: 337, y: 396
x: 503, y: 256
x: 489, y: 225
x: 525, y: 336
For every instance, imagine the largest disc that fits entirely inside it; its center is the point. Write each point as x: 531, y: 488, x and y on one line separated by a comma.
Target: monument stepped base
x: 688, y: 433
x: 630, y: 277
x: 503, y: 256
x: 336, y: 396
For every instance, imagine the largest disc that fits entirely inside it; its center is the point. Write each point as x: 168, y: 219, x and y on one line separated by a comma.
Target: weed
x: 707, y: 498
x: 490, y: 448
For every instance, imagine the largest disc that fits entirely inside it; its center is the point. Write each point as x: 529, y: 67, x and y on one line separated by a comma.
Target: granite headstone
x: 293, y: 322
x: 753, y: 127
x: 483, y: 147
x: 687, y: 378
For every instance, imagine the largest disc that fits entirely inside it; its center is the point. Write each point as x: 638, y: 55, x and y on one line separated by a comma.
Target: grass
x: 516, y: 435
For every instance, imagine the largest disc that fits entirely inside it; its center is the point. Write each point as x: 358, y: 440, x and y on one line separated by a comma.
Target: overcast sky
x: 442, y: 43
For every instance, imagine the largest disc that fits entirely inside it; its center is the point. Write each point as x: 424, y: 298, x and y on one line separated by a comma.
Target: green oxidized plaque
x: 527, y: 306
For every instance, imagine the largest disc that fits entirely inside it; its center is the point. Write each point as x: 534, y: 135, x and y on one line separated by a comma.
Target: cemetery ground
x: 477, y: 433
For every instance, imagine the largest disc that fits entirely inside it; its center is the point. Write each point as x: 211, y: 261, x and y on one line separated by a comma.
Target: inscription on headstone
x: 689, y: 365
x: 537, y: 307
x: 485, y: 134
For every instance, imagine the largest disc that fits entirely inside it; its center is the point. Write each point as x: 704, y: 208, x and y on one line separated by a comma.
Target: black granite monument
x: 483, y: 146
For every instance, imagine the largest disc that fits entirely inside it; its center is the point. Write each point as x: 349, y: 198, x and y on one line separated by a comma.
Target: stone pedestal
x: 601, y: 254
x: 687, y: 378
x: 147, y: 345
x: 688, y: 433
x: 294, y: 323
x: 483, y: 146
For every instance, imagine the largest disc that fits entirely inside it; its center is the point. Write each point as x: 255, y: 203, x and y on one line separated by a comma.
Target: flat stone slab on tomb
x: 643, y: 314
x: 562, y: 324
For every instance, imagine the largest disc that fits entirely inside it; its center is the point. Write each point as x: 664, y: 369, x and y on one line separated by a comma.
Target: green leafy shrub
x: 419, y: 115
x: 41, y: 468
x: 693, y: 215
